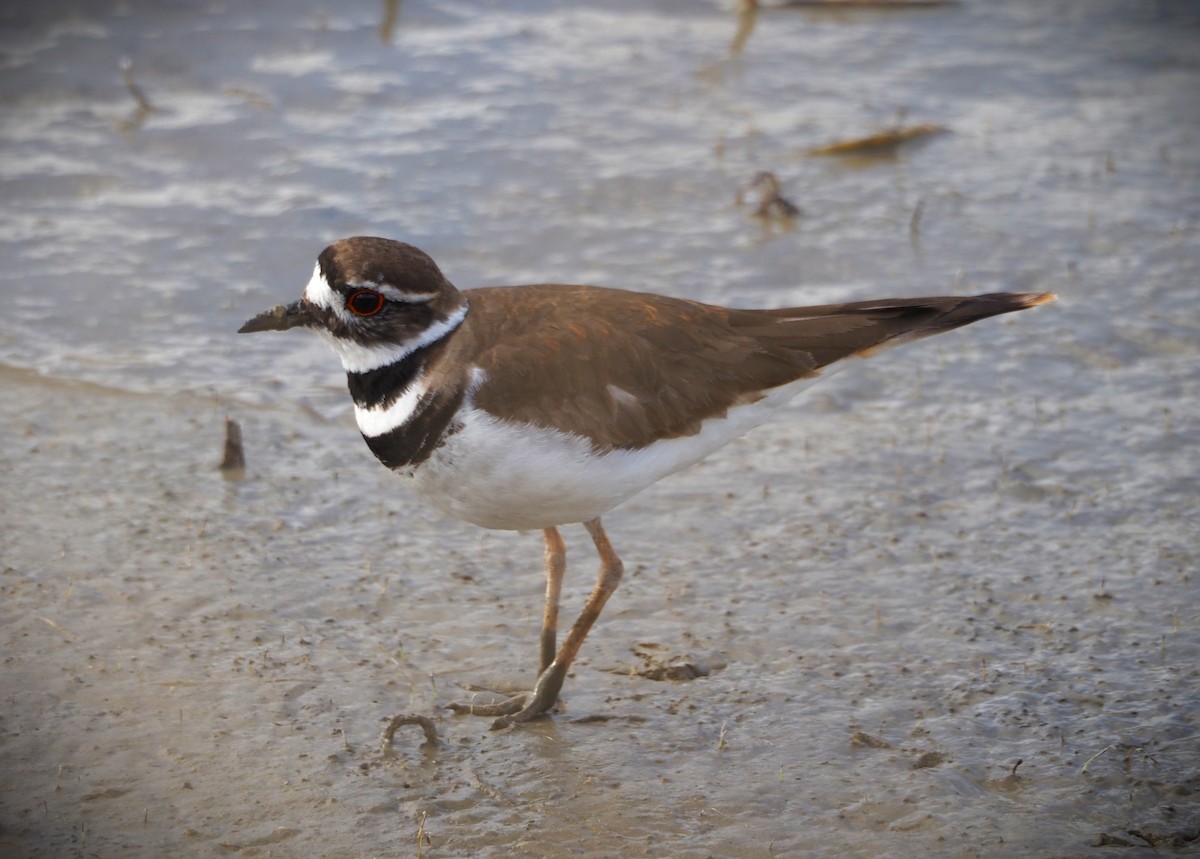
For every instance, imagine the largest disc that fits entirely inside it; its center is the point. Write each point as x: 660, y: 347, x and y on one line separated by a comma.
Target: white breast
x: 523, y: 477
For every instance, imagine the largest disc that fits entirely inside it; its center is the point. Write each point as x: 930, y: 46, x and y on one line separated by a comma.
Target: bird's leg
x: 545, y: 693
x: 556, y: 567
x: 530, y: 705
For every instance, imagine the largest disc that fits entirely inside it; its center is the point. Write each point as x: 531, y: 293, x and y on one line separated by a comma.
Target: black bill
x: 281, y: 317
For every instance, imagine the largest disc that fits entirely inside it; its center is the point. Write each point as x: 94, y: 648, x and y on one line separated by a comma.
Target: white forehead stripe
x: 320, y: 293
x: 381, y: 420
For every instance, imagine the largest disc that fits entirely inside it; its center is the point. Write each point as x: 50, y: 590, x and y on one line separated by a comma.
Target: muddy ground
x: 902, y: 649
x: 946, y: 605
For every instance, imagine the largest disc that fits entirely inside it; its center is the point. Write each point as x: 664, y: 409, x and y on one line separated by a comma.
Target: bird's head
x: 374, y: 300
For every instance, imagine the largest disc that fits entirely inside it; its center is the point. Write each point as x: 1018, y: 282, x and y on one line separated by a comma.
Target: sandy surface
x: 945, y: 606
x: 907, y: 651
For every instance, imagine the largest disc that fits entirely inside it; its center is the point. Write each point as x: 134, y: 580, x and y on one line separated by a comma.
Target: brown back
x: 624, y: 369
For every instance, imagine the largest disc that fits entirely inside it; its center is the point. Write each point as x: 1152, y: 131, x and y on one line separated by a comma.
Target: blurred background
x: 170, y: 167
x: 1010, y: 513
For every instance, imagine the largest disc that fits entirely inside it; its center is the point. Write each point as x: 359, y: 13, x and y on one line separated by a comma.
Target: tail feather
x: 832, y: 332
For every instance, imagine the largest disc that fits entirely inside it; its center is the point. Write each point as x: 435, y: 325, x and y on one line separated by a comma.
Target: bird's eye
x: 364, y: 302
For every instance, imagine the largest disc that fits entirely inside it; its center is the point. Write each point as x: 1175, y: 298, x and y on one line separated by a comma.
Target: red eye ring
x: 364, y: 302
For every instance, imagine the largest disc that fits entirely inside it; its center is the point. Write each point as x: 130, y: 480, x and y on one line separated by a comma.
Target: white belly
x: 523, y: 477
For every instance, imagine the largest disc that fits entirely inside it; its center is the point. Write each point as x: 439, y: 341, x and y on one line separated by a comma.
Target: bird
x: 532, y: 407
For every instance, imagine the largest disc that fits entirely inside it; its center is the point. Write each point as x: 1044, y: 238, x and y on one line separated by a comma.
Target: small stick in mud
x: 234, y: 460
x: 914, y: 223
x: 422, y: 838
x: 426, y: 723
x: 882, y: 143
x: 143, y: 106
x: 135, y: 91
x: 858, y: 4
x: 1088, y: 762
x: 771, y: 204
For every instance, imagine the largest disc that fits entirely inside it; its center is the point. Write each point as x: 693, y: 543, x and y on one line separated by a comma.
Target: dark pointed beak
x: 281, y: 317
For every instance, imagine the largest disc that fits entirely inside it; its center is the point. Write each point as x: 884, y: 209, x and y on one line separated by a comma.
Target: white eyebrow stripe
x: 381, y: 420
x: 392, y: 294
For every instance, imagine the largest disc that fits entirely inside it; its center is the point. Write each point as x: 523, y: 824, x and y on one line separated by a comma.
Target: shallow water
x: 974, y: 552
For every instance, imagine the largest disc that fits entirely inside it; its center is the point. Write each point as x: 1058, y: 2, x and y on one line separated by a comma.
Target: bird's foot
x: 527, y: 713
x: 500, y: 708
x: 524, y: 707
x: 539, y: 702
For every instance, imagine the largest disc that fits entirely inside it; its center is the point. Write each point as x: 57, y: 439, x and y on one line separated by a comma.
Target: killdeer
x: 531, y: 407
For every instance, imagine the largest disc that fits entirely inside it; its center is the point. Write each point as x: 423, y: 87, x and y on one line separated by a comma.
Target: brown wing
x: 624, y: 369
